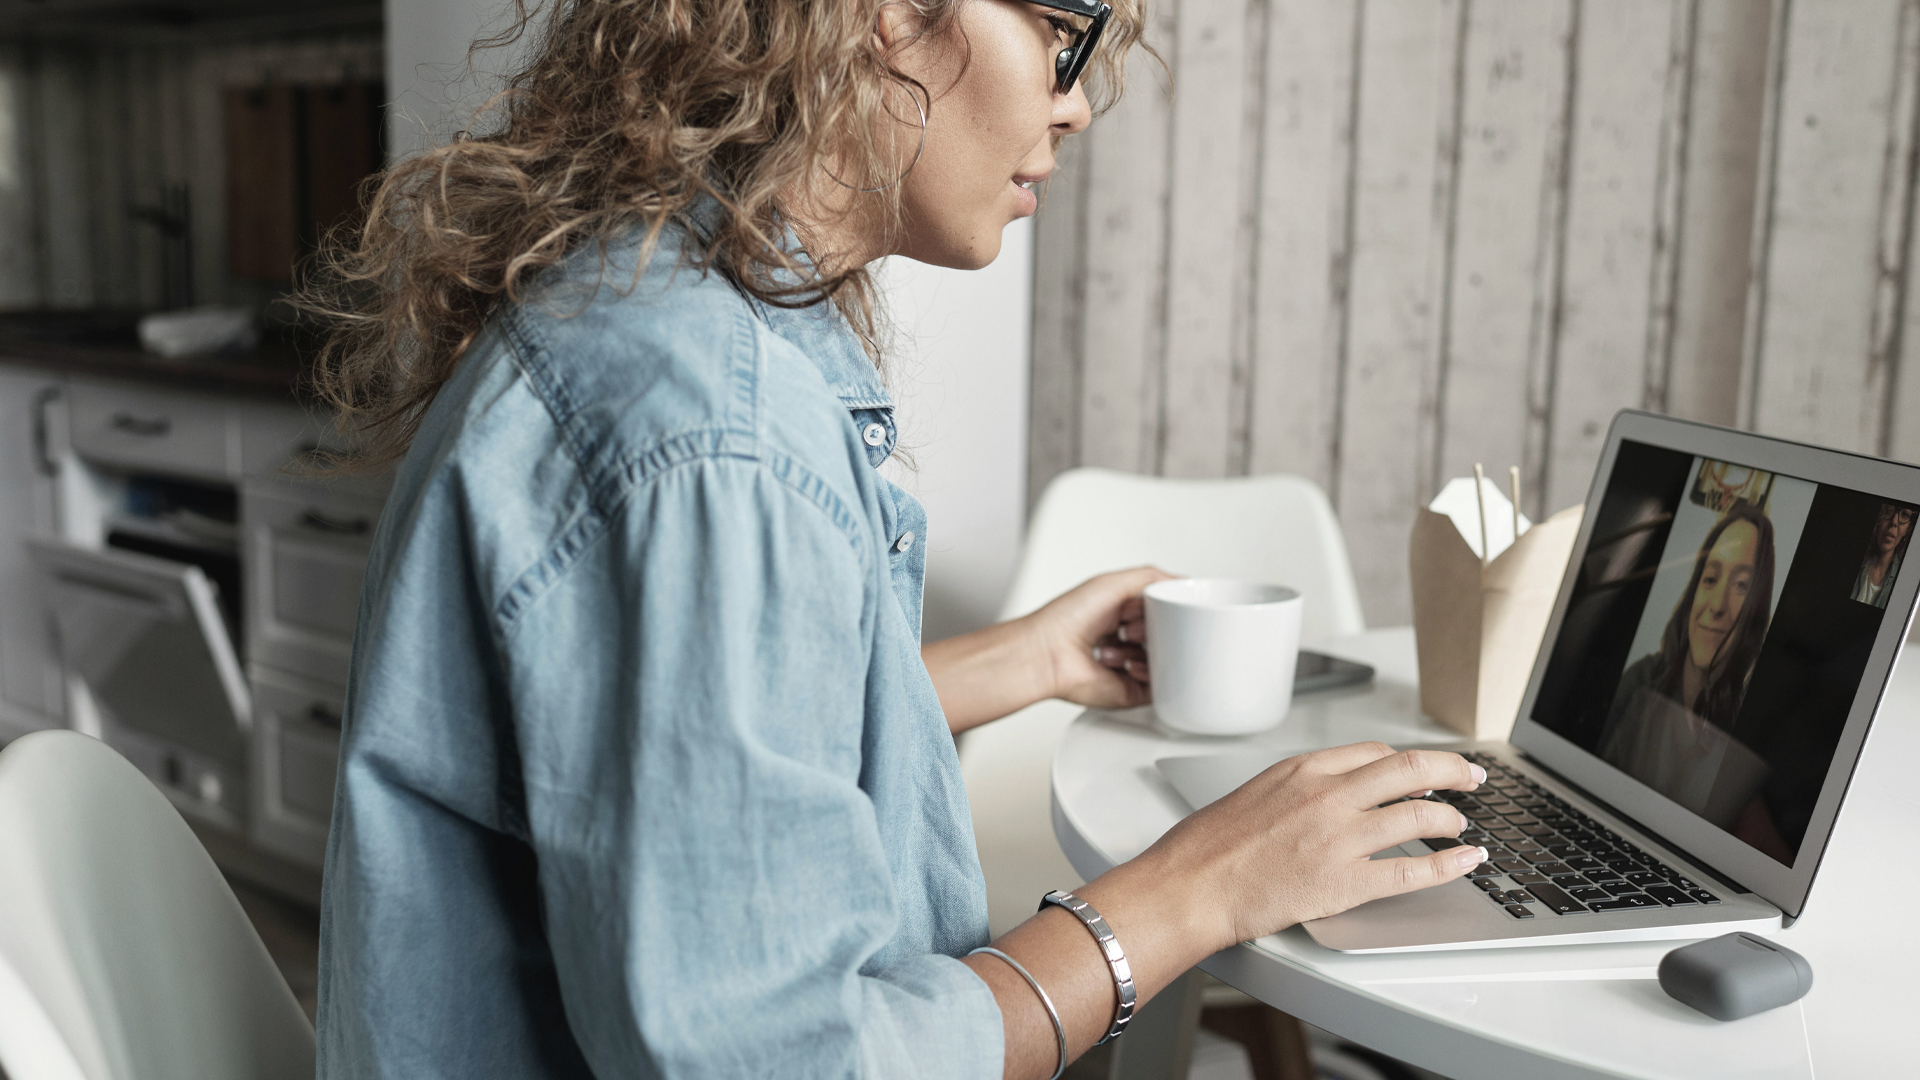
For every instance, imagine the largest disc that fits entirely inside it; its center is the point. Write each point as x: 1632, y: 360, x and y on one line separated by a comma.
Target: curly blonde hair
x: 629, y: 112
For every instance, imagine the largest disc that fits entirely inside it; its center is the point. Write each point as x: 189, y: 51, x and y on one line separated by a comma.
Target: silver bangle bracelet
x: 1053, y: 1014
x: 1123, y: 991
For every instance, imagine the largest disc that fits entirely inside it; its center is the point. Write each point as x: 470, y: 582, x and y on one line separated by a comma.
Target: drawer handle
x: 324, y: 716
x: 41, y: 442
x: 319, y: 522
x: 146, y: 429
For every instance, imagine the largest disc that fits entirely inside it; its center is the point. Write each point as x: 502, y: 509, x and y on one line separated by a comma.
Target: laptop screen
x: 1719, y: 624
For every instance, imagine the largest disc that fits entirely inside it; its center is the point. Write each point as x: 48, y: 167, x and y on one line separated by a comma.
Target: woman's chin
x: 974, y: 253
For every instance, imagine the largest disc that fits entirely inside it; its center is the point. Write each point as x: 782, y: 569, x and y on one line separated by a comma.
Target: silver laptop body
x: 1720, y: 643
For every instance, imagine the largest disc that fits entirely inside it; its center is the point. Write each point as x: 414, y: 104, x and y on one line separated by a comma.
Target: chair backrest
x: 117, y: 925
x: 1278, y: 529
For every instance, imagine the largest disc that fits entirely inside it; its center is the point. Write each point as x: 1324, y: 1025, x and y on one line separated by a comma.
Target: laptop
x: 1721, y: 639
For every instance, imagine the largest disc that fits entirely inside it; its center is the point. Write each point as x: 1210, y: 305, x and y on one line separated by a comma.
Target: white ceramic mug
x: 1222, y: 653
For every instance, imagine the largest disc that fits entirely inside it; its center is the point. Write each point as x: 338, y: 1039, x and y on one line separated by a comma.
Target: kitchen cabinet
x: 296, y: 755
x: 32, y: 412
x: 169, y: 585
x: 139, y: 427
x: 306, y: 549
x: 263, y: 226
x: 144, y: 641
x: 296, y: 156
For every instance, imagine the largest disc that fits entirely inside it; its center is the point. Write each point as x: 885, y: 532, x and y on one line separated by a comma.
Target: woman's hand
x: 1294, y: 843
x: 1084, y: 646
x: 1291, y: 844
x: 1095, y: 636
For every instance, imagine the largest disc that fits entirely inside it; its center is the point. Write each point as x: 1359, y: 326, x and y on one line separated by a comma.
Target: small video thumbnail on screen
x: 1886, y: 549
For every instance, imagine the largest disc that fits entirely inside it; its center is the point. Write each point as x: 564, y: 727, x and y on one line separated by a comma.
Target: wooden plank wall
x: 1373, y: 242
x: 90, y: 129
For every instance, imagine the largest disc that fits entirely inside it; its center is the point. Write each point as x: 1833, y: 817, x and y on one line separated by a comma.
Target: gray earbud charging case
x: 1735, y: 975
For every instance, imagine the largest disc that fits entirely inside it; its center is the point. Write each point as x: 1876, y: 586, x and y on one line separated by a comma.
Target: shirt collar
x: 822, y: 333
x: 819, y: 330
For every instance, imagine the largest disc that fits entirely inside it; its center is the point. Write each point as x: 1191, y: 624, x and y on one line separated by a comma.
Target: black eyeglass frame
x: 1072, y: 60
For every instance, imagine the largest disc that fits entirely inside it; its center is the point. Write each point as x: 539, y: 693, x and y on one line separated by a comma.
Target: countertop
x: 103, y: 344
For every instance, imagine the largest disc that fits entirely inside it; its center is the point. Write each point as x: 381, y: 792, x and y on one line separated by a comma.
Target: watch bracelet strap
x: 1123, y: 989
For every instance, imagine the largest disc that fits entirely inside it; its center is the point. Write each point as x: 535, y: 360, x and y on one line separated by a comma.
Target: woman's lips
x: 1709, y: 636
x: 1024, y: 199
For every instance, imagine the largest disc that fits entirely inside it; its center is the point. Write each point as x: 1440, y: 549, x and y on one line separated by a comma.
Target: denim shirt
x: 642, y: 774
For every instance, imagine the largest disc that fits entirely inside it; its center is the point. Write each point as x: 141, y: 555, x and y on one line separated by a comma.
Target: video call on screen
x: 1718, y: 629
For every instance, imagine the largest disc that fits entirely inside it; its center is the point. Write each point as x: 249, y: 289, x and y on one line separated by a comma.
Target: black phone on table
x: 1318, y: 671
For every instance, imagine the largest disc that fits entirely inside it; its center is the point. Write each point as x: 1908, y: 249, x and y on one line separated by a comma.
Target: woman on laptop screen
x: 1888, y: 546
x: 1676, y: 707
x: 1718, y: 632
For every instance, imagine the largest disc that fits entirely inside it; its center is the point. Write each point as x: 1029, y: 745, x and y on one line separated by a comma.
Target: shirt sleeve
x: 714, y: 884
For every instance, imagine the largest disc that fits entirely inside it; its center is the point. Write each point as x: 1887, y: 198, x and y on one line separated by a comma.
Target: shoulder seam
x: 739, y: 414
x: 550, y: 392
x: 745, y: 372
x: 692, y: 448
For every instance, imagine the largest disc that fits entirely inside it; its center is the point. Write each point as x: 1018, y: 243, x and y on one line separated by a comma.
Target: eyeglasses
x: 1072, y: 60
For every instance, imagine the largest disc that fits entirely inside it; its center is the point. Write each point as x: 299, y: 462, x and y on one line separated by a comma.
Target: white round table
x: 1536, y: 1013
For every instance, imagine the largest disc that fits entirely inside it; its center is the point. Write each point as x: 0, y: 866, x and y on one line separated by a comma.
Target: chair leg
x: 1158, y: 1044
x: 1276, y: 1042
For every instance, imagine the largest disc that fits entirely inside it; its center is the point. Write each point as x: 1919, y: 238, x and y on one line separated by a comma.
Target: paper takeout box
x: 1477, y: 629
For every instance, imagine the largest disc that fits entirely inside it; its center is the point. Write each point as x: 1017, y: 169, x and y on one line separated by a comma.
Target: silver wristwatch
x: 1109, y: 947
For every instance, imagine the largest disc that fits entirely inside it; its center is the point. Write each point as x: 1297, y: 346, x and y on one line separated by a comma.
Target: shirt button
x: 875, y: 434
x: 905, y: 542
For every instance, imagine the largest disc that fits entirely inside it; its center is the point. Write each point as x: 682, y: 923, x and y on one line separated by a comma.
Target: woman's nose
x: 1071, y: 111
x: 1716, y: 601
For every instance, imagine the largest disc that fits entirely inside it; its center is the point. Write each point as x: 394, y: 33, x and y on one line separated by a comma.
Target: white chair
x: 1268, y: 528
x: 123, y: 953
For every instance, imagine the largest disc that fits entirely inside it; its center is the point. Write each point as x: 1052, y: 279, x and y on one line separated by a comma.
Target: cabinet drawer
x: 273, y: 435
x: 306, y: 551
x: 274, y: 438
x: 152, y: 430
x: 31, y: 415
x: 296, y: 756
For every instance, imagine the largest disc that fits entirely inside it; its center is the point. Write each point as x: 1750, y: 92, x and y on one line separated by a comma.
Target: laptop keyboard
x: 1543, y: 854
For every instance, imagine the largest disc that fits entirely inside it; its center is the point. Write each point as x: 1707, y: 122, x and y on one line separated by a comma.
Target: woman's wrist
x: 988, y: 673
x: 1051, y: 651
x: 1166, y: 917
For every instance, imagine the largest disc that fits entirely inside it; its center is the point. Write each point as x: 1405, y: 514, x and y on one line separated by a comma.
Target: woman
x: 1676, y: 707
x: 1888, y: 546
x: 645, y: 772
